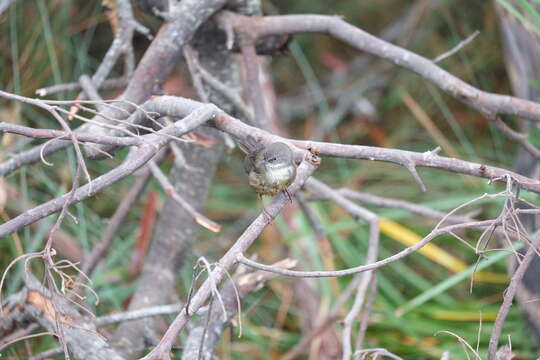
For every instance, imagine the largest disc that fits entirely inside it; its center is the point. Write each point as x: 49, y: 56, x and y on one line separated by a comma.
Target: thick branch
x: 191, y: 177
x: 482, y: 101
x: 57, y: 315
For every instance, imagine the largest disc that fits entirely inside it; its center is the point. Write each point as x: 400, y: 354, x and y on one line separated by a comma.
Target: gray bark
x: 522, y: 56
x: 175, y: 230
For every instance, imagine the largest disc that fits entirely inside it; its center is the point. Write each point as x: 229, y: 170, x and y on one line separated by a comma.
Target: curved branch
x: 375, y: 265
x: 484, y: 102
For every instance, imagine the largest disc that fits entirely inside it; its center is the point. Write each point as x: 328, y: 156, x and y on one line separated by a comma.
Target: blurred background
x: 325, y: 90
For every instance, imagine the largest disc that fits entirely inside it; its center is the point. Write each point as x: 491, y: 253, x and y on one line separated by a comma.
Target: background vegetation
x: 50, y: 42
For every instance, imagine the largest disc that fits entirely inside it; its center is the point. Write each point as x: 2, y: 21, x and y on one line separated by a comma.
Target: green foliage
x: 49, y: 42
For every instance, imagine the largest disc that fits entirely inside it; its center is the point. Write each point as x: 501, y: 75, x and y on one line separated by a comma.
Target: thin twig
x: 106, y: 84
x: 508, y: 298
x: 359, y: 269
x: 136, y: 190
x: 366, y: 313
x: 456, y: 48
x: 169, y: 190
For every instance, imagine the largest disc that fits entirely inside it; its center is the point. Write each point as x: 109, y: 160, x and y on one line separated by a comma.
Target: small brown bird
x: 271, y: 168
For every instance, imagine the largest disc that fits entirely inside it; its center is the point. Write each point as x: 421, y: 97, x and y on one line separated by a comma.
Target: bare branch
x: 62, y: 135
x: 135, y: 160
x: 397, y: 204
x: 57, y: 315
x: 138, y: 314
x: 400, y: 255
x: 91, y: 260
x: 231, y: 257
x: 5, y: 4
x: 332, y: 316
x: 232, y: 95
x: 106, y: 84
x: 509, y: 298
x: 458, y: 47
x: 169, y: 190
x: 121, y: 42
x: 366, y: 314
x: 119, y: 317
x: 484, y: 102
x: 199, y: 346
x: 175, y: 229
x: 361, y: 354
x: 177, y: 107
